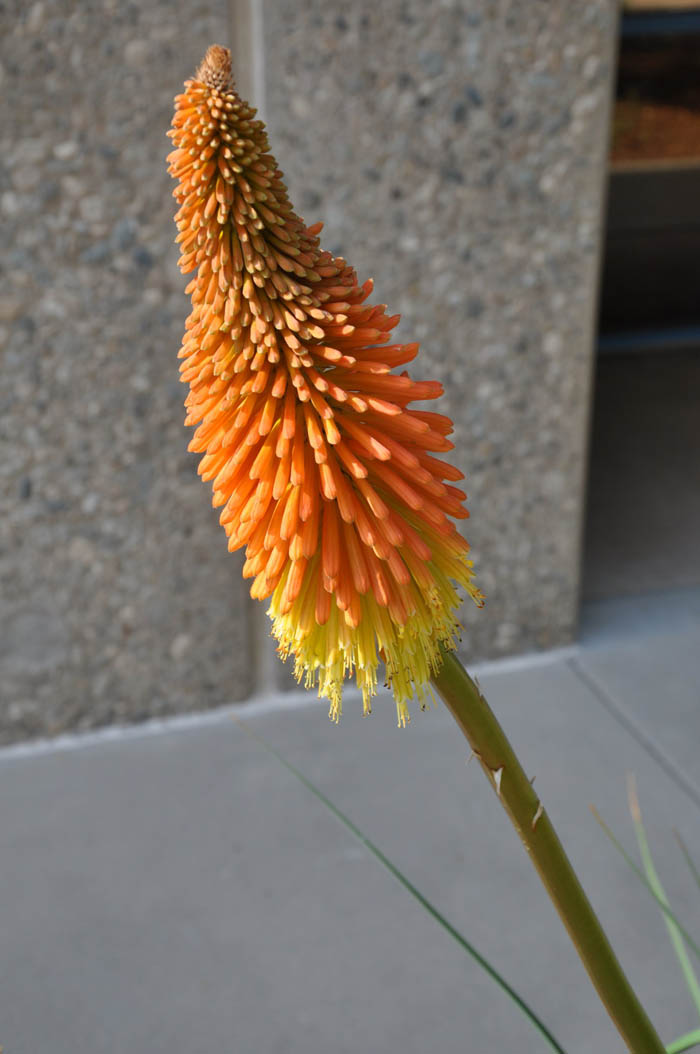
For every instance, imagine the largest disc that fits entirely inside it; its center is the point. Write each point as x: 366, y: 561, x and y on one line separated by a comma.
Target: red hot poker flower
x: 320, y: 469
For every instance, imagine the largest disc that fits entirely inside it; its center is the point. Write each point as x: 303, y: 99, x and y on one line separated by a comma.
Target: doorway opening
x: 642, y: 532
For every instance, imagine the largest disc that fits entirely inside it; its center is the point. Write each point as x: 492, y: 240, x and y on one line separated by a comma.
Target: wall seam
x: 246, y: 34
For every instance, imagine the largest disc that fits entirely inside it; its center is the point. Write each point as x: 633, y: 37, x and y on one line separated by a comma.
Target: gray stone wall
x: 456, y: 154
x: 454, y: 151
x: 118, y: 599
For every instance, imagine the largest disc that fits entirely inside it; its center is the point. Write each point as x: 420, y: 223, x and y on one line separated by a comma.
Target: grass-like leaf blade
x: 408, y: 885
x: 640, y: 874
x: 659, y: 891
x: 686, y: 1042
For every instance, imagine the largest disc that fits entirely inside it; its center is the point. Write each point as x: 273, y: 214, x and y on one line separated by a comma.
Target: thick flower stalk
x: 320, y: 469
x: 327, y: 478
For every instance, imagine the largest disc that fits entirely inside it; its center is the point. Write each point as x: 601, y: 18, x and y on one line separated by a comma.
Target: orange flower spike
x: 322, y: 470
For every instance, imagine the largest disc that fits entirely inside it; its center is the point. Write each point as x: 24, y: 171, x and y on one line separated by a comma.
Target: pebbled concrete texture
x: 458, y: 157
x: 177, y: 888
x: 119, y: 600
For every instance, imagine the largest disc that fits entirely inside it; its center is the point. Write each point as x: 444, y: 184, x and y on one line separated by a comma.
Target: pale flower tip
x: 402, y: 714
x: 215, y: 69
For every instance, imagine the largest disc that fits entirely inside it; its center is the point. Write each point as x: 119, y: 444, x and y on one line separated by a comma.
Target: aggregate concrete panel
x: 458, y: 158
x: 456, y: 152
x: 118, y: 600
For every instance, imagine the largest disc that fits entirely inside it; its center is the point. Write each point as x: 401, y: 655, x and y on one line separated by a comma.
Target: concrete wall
x: 118, y: 597
x: 455, y: 152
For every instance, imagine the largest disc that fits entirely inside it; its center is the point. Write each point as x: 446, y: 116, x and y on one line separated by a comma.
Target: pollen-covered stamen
x: 318, y: 466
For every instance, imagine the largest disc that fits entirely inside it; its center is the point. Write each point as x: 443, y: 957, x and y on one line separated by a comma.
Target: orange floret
x: 320, y: 469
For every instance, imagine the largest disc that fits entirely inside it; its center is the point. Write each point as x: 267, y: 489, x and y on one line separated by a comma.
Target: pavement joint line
x: 620, y: 713
x: 258, y: 705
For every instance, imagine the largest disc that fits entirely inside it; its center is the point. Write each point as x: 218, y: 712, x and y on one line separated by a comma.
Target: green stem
x: 517, y: 795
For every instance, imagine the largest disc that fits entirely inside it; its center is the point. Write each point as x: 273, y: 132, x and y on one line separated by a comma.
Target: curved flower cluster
x: 319, y: 468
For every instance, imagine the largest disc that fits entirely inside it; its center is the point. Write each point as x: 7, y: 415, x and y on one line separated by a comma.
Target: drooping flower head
x: 320, y: 469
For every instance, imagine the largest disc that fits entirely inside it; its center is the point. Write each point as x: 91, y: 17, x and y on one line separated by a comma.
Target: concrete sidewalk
x: 175, y: 889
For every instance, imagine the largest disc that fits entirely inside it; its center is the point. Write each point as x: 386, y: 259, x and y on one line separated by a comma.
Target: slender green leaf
x: 408, y: 885
x: 640, y: 874
x: 686, y: 1042
x: 655, y: 883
